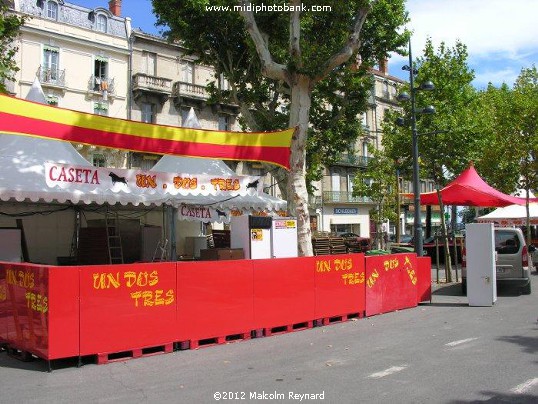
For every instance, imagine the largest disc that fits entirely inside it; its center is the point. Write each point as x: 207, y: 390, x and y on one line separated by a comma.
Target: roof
x: 469, y: 189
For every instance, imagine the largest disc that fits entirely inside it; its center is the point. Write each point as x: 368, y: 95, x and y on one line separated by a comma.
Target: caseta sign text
x: 88, y: 178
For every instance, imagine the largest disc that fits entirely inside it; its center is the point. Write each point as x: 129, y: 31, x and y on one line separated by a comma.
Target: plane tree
x: 301, y: 68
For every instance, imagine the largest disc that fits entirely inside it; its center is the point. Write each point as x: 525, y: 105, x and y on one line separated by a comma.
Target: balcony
x: 151, y: 85
x: 343, y: 197
x: 51, y: 77
x: 103, y: 86
x: 189, y: 94
x: 353, y: 160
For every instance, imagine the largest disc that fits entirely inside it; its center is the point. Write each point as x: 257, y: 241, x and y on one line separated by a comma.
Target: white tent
x: 173, y: 164
x: 513, y: 215
x: 23, y: 173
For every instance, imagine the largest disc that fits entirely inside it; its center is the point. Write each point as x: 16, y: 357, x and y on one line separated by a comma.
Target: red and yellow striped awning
x: 21, y: 117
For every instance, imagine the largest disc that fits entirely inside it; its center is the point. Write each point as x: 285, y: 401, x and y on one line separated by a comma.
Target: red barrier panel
x: 3, y: 303
x: 284, y: 291
x: 390, y: 283
x: 42, y: 308
x: 127, y: 307
x: 340, y: 285
x: 215, y: 300
x: 424, y: 277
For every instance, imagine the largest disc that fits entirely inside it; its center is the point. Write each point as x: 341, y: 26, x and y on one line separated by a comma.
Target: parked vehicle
x: 354, y: 240
x: 513, y: 265
x: 404, y: 238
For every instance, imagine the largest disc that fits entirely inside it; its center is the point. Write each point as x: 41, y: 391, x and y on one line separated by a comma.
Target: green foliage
x: 509, y: 133
x: 377, y: 182
x: 442, y: 155
x: 220, y: 39
x: 9, y: 30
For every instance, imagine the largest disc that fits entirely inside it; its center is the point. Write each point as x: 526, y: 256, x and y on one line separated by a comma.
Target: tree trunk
x: 297, y: 191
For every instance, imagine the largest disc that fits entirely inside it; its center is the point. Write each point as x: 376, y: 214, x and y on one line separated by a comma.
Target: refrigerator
x: 284, y: 237
x: 252, y: 234
x: 264, y: 237
x: 481, y: 274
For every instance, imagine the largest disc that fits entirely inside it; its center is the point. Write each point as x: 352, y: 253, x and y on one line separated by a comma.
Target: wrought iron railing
x: 343, y: 197
x: 102, y: 85
x: 54, y: 77
x: 354, y: 160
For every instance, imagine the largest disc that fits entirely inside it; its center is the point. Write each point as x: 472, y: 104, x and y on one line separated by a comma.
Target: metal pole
x: 416, y: 179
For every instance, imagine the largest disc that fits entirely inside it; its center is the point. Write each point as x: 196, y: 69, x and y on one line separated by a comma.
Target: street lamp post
x: 416, y: 179
x: 417, y: 221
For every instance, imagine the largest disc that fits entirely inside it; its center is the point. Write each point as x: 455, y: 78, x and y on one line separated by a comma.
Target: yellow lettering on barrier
x: 149, y: 298
x: 323, y: 266
x: 134, y: 279
x: 3, y: 293
x: 391, y: 264
x: 24, y: 279
x: 343, y: 264
x: 370, y: 282
x: 106, y: 280
x: 140, y: 279
x: 37, y: 302
x: 412, y: 276
x: 353, y: 278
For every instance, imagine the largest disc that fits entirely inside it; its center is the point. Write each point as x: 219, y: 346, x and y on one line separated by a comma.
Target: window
x: 52, y: 100
x: 364, y: 120
x: 149, y: 60
x: 147, y: 110
x: 101, y: 74
x: 224, y: 85
x: 52, y: 10
x: 386, y: 92
x: 335, y: 180
x: 98, y: 160
x: 224, y: 122
x: 50, y: 64
x: 101, y: 23
x: 365, y: 148
x: 100, y: 108
x: 187, y: 72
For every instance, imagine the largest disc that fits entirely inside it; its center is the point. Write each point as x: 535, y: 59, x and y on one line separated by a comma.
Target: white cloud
x: 485, y: 26
x: 501, y: 36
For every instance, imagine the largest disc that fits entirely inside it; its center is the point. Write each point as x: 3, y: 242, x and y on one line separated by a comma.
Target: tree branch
x: 270, y: 68
x: 295, y: 33
x: 351, y: 46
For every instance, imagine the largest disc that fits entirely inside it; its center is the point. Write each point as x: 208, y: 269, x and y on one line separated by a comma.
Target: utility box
x: 481, y: 275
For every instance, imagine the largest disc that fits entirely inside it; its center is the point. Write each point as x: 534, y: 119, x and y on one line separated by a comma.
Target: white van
x: 514, y: 262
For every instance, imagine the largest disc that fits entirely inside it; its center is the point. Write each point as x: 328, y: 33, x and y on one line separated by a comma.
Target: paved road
x: 443, y: 352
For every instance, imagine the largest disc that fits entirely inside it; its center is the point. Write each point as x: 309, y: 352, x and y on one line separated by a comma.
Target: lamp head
x: 429, y: 110
x: 427, y: 86
x: 400, y: 121
x: 403, y: 97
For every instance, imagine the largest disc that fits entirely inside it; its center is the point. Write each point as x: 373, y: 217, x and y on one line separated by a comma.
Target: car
x: 513, y: 264
x: 354, y: 240
x: 404, y: 238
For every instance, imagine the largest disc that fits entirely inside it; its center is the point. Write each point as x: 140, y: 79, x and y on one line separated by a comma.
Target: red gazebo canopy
x: 469, y: 189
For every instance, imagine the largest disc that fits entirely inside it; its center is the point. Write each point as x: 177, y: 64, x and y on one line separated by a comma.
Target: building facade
x: 166, y: 83
x: 91, y: 60
x: 334, y: 209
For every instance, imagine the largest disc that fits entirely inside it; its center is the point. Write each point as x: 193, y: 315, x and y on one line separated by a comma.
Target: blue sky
x: 501, y: 35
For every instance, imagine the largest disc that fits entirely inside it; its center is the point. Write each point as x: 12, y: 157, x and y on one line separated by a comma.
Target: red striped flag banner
x: 21, y: 117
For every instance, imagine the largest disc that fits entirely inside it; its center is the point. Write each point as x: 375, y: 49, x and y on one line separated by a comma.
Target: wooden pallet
x: 109, y: 357
x: 207, y: 342
x: 339, y: 319
x: 305, y: 325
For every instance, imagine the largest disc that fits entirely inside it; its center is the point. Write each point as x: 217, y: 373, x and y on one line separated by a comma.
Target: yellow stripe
x: 89, y: 121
